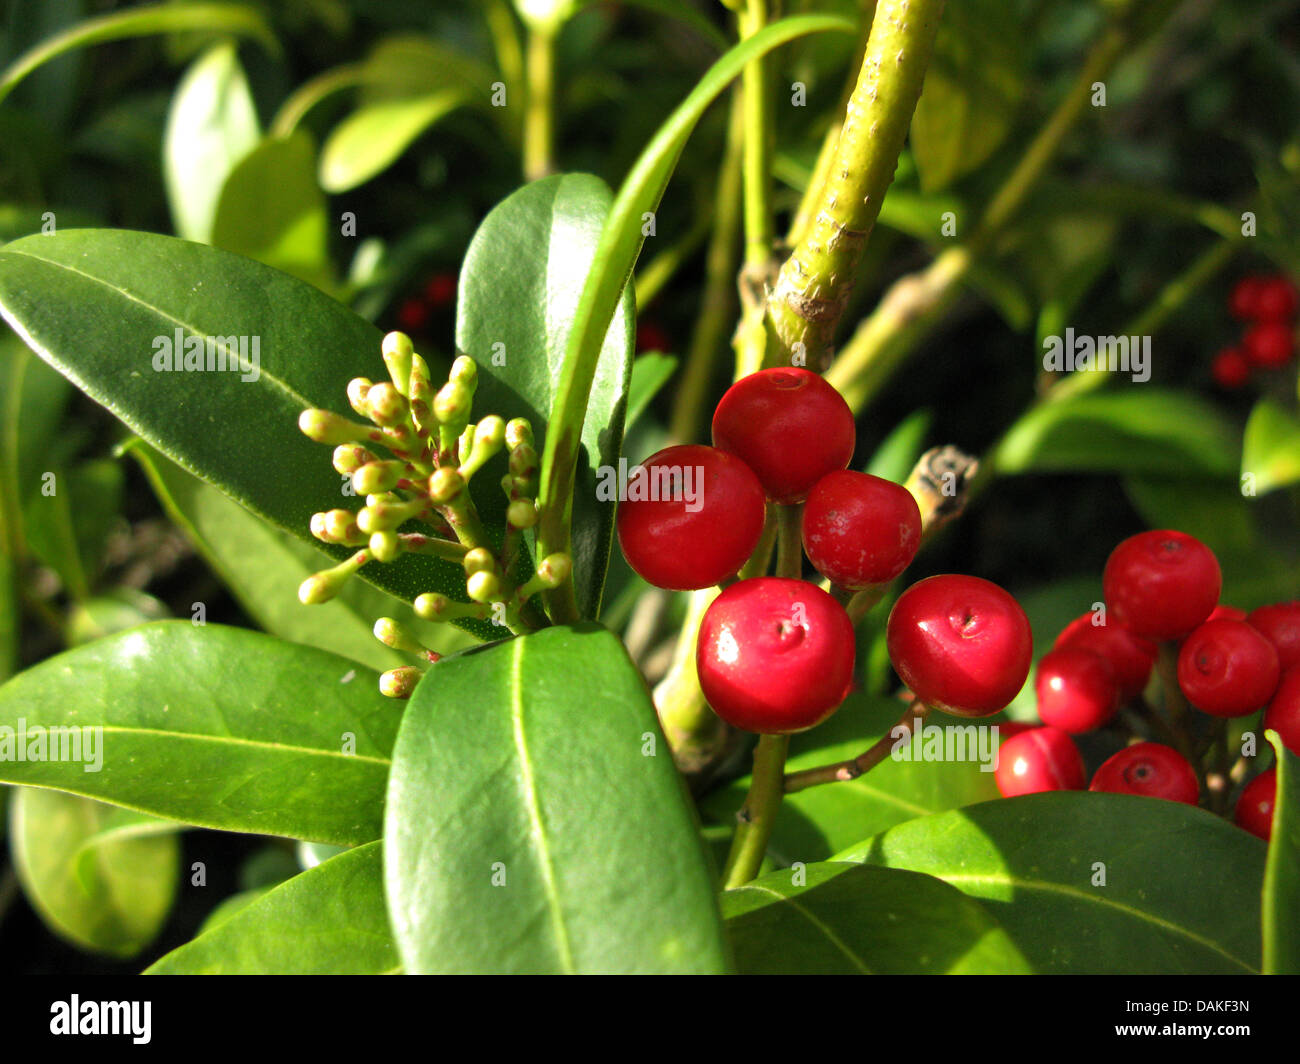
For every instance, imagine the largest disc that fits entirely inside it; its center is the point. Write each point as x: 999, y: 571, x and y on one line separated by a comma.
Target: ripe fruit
x: 1040, y: 759
x: 860, y: 530
x: 692, y: 517
x: 1275, y: 299
x: 790, y: 427
x: 1255, y: 806
x: 1243, y: 302
x: 1279, y: 623
x: 413, y: 316
x: 1161, y: 584
x: 1226, y: 613
x: 960, y: 643
x: 1149, y: 769
x: 1130, y: 657
x: 1227, y: 669
x: 1009, y: 728
x: 1230, y: 368
x: 775, y: 656
x: 1077, y: 691
x: 1283, y: 713
x: 1268, y: 344
x: 441, y: 289
x: 650, y: 336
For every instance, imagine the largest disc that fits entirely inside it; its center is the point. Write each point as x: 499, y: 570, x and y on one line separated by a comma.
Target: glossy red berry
x: 1230, y: 368
x: 1255, y: 806
x: 960, y: 644
x: 1268, y: 344
x: 1162, y: 584
x: 1008, y: 729
x: 860, y: 530
x: 692, y: 517
x: 441, y: 289
x: 1226, y: 613
x: 1243, y: 301
x: 1276, y: 299
x: 789, y: 425
x: 1227, y: 669
x: 1149, y: 769
x: 1279, y: 623
x: 1077, y: 691
x: 650, y: 336
x: 1283, y: 713
x: 775, y: 656
x: 413, y: 315
x: 1130, y: 656
x: 1040, y: 759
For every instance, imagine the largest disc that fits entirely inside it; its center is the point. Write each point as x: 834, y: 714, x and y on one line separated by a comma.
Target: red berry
x: 1226, y: 613
x: 1255, y: 806
x: 441, y: 289
x: 1130, y: 656
x: 860, y: 530
x: 1162, y: 584
x: 1243, y: 301
x: 650, y: 336
x: 1268, y: 344
x: 413, y: 315
x: 1276, y: 299
x: 1283, y: 713
x: 1009, y: 728
x: 1077, y: 691
x: 692, y: 517
x: 789, y: 425
x: 1040, y: 759
x: 775, y: 656
x: 1149, y: 769
x: 1279, y: 623
x: 1230, y: 368
x: 960, y: 643
x: 1227, y: 669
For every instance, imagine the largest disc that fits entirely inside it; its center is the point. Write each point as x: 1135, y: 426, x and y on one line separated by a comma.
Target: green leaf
x: 211, y: 126
x: 1270, y: 453
x: 972, y: 90
x: 519, y: 288
x: 373, y: 137
x: 329, y: 920
x: 650, y: 372
x: 214, y: 726
x: 1144, y: 430
x: 1181, y: 893
x: 141, y: 22
x: 845, y: 919
x: 271, y: 210
x: 1281, y: 908
x: 96, y: 304
x: 68, y: 527
x: 263, y: 567
x: 896, y: 456
x: 108, y: 891
x: 611, y: 269
x: 116, y: 610
x: 532, y: 787
x: 818, y: 821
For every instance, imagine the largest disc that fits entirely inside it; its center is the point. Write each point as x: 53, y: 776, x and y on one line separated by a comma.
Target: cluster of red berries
x: 1160, y: 588
x: 775, y: 655
x: 439, y: 292
x: 1266, y: 305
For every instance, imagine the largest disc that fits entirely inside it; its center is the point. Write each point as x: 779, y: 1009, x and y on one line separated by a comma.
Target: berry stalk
x: 757, y: 816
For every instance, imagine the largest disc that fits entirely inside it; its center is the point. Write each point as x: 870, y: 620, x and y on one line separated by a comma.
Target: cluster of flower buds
x: 433, y: 451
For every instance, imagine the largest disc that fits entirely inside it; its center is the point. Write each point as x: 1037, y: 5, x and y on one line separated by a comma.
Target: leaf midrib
x: 830, y: 935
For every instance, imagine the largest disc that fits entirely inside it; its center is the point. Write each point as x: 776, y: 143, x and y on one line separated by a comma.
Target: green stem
x: 758, y: 815
x: 789, y: 541
x: 1176, y: 708
x: 539, y: 116
x: 311, y: 92
x: 817, y: 279
x: 757, y: 103
x: 840, y: 771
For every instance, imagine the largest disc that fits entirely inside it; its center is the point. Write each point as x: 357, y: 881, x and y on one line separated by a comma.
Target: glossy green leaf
x: 373, y: 137
x: 1181, y: 893
x: 263, y: 567
x: 519, y: 289
x: 845, y: 919
x: 896, y: 456
x: 271, y: 209
x: 650, y: 372
x: 214, y: 726
x: 140, y: 22
x: 105, y: 891
x: 1270, y: 454
x: 973, y: 88
x: 532, y: 788
x: 329, y: 920
x: 211, y: 126
x: 116, y: 610
x: 1138, y: 430
x: 68, y: 524
x: 99, y: 304
x: 819, y: 821
x: 607, y: 281
x: 1281, y: 908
